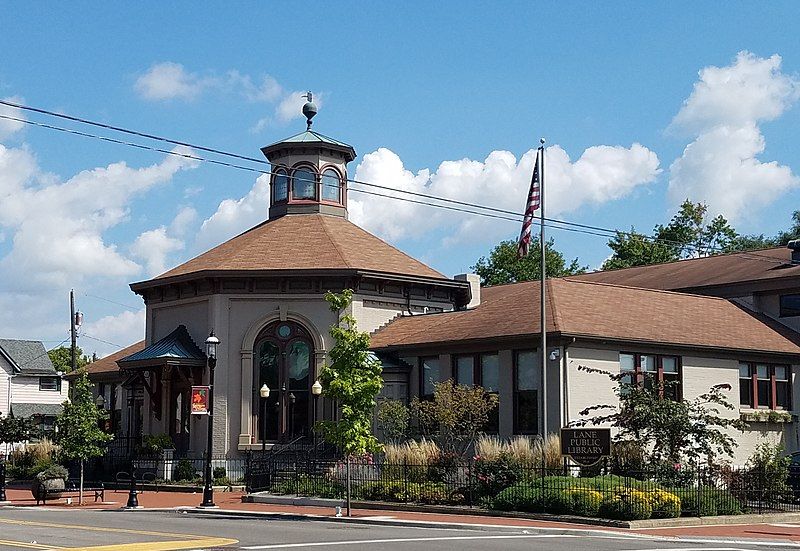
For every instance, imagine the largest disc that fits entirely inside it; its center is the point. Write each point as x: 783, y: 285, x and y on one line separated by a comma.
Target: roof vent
x: 794, y: 245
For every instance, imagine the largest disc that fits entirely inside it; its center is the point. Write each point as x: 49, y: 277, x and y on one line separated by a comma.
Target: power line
x: 114, y: 302
x: 101, y: 340
x: 560, y: 224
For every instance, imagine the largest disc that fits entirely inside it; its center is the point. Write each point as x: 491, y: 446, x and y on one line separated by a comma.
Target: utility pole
x: 72, y: 328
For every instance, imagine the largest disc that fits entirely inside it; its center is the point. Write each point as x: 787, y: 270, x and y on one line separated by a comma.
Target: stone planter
x: 49, y: 485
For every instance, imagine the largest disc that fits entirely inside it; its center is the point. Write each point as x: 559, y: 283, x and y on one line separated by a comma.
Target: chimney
x: 794, y: 245
x: 474, y: 287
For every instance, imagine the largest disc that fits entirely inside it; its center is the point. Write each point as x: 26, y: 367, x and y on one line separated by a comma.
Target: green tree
x: 79, y: 433
x: 672, y: 430
x: 784, y: 237
x: 62, y: 358
x: 504, y: 266
x: 687, y: 235
x: 352, y: 380
x: 14, y: 430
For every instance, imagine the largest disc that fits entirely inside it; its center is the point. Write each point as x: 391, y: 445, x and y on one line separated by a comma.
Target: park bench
x: 72, y: 488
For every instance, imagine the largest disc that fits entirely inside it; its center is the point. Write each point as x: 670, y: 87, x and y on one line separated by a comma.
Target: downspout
x: 565, y: 367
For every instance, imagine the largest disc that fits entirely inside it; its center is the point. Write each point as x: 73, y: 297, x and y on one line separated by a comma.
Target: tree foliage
x: 14, y: 430
x: 455, y: 416
x: 352, y: 380
x: 62, y: 358
x: 504, y: 266
x: 672, y: 430
x: 687, y: 235
x: 78, y: 427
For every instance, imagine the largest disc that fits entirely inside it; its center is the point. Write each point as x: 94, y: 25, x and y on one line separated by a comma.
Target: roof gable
x: 178, y: 346
x: 27, y: 357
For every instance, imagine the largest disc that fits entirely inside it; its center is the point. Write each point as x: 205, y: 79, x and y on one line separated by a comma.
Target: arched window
x: 280, y: 186
x: 304, y: 184
x: 331, y: 186
x: 284, y: 355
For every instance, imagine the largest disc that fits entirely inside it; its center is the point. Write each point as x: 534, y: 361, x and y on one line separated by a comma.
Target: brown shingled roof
x: 108, y: 364
x: 595, y: 310
x: 709, y: 271
x: 305, y: 242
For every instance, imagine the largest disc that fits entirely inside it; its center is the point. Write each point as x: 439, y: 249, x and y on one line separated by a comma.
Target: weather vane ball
x: 309, y: 109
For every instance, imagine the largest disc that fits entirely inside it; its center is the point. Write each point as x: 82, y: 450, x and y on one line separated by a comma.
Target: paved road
x: 25, y: 528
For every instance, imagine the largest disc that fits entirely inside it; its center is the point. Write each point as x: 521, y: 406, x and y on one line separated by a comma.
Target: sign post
x: 200, y: 395
x: 585, y: 446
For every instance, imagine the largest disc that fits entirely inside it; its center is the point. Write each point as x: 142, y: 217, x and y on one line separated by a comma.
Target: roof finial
x: 309, y: 109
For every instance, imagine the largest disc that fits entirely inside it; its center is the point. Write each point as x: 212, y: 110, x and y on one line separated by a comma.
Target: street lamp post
x: 211, y: 353
x: 316, y: 390
x: 264, y: 392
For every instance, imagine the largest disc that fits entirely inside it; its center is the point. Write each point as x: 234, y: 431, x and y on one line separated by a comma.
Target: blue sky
x: 411, y: 86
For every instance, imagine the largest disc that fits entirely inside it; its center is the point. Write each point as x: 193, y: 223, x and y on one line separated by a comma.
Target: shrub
x: 393, y: 419
x: 430, y: 493
x: 664, y: 504
x: 220, y: 472
x: 184, y: 470
x: 494, y: 475
x: 626, y: 505
x: 584, y: 502
x: 520, y: 497
x: 153, y: 444
x: 53, y: 471
x: 310, y: 486
x: 696, y: 502
x: 392, y: 490
x: 410, y: 461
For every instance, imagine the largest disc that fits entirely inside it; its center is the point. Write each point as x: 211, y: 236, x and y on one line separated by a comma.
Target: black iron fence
x: 625, y: 494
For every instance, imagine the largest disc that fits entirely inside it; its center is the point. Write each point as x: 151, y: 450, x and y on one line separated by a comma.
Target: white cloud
x: 601, y: 174
x: 122, y: 329
x: 168, y: 80
x: 9, y: 127
x: 749, y: 90
x: 58, y: 227
x: 234, y: 216
x: 723, y: 112
x: 153, y: 246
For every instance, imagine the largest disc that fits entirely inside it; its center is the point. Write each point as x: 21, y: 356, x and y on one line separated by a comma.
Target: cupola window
x: 331, y: 186
x: 280, y: 186
x: 304, y: 184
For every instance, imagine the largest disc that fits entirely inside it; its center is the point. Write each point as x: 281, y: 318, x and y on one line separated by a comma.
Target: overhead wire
x: 502, y: 214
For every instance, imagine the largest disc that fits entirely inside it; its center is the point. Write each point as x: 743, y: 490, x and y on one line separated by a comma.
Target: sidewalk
x: 231, y: 502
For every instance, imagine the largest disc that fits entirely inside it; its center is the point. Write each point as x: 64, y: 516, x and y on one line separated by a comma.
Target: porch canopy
x: 175, y: 360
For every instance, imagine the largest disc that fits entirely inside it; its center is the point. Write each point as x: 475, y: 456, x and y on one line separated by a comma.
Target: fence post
x: 348, y: 484
x: 760, y: 490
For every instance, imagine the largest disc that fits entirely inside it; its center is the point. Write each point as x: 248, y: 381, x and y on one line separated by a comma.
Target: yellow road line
x: 26, y: 545
x: 99, y: 529
x: 159, y: 545
x: 187, y: 541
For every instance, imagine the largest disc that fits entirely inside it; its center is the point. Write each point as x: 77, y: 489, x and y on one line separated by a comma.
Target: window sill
x: 766, y: 416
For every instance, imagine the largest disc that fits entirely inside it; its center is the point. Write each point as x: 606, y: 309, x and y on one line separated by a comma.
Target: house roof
x: 710, y: 271
x: 177, y: 347
x: 24, y: 411
x: 588, y: 309
x: 309, y: 137
x: 108, y: 364
x: 27, y: 357
x: 301, y: 242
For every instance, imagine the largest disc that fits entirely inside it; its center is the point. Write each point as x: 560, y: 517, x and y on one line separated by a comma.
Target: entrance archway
x: 283, y: 358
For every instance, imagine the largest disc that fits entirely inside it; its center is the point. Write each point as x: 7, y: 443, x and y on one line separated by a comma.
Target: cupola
x: 309, y: 172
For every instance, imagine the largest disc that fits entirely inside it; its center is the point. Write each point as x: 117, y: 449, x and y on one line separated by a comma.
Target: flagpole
x: 543, y: 326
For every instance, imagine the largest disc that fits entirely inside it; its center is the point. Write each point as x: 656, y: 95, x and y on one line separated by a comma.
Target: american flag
x: 533, y: 205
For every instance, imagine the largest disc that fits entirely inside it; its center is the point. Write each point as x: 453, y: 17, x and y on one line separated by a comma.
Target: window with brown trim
x: 789, y: 305
x: 652, y: 370
x: 765, y: 386
x: 526, y: 392
x: 280, y: 186
x: 304, y: 183
x: 482, y: 370
x: 331, y: 185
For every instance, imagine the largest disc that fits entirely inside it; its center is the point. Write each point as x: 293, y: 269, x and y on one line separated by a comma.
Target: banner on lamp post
x: 200, y: 400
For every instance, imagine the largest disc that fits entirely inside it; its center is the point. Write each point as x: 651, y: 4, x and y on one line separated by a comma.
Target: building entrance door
x: 283, y: 355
